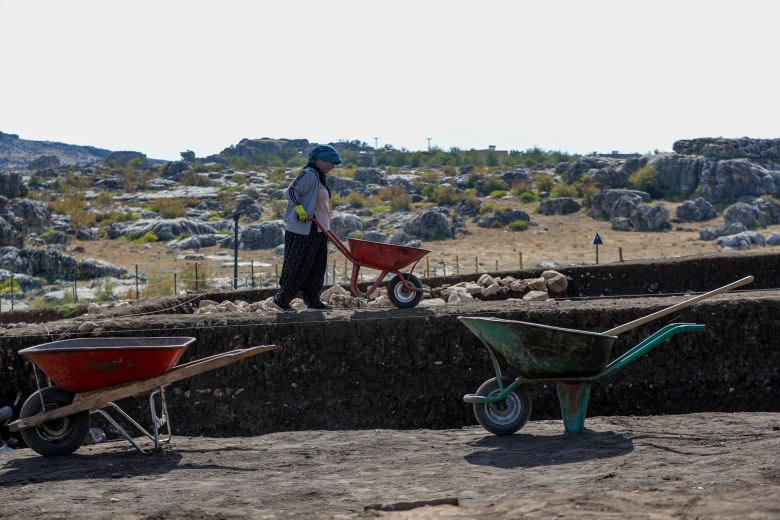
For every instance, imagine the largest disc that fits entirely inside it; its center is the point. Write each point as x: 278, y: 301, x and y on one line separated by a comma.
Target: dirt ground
x: 713, y: 465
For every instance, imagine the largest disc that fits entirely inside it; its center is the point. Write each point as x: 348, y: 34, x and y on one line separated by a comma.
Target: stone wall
x: 407, y: 369
x: 699, y: 273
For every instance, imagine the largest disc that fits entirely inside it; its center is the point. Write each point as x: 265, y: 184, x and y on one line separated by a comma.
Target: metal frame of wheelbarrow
x: 574, y: 392
x: 357, y: 264
x: 96, y: 400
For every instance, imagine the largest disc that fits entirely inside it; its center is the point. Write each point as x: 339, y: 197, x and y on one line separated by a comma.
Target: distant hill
x: 17, y: 154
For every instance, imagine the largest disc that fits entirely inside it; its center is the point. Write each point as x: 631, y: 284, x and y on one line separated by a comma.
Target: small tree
x: 646, y: 179
x: 188, y: 156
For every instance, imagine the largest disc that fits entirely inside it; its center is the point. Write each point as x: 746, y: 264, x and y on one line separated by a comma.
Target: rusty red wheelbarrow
x: 88, y: 374
x: 405, y: 290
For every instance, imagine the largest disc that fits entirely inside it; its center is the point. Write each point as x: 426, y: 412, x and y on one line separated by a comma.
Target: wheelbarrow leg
x: 158, y: 422
x: 574, y: 405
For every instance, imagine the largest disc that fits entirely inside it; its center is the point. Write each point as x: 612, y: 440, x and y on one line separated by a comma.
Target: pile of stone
x: 337, y: 296
x: 485, y: 288
x: 490, y: 288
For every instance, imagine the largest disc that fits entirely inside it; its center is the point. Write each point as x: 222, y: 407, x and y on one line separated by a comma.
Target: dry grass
x: 562, y: 240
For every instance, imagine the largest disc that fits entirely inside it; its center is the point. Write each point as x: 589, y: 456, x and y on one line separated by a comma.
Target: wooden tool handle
x: 687, y: 303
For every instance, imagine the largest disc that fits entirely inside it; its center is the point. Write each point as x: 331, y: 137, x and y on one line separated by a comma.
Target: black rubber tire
x: 507, y: 416
x: 398, y: 294
x: 59, y: 436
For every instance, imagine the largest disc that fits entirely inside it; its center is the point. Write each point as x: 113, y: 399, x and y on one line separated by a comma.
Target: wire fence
x: 76, y: 288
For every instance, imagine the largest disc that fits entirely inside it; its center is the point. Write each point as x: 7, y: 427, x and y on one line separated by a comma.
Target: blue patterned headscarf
x: 325, y: 152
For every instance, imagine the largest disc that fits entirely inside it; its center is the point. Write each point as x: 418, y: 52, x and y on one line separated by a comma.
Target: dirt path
x: 703, y: 465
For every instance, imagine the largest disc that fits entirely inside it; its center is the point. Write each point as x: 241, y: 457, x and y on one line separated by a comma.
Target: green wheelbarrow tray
x: 572, y: 359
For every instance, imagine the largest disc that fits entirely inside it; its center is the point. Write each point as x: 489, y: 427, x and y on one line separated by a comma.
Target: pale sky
x: 164, y: 76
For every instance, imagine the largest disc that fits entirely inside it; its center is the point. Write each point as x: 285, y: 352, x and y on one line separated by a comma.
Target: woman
x: 305, y: 246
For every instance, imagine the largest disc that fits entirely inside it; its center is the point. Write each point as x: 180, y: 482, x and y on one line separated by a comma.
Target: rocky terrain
x: 186, y: 207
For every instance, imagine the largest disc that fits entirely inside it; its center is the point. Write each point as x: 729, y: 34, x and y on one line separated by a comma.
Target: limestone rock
x: 603, y: 202
x: 559, y: 206
x: 44, y: 162
x: 722, y: 231
x: 167, y: 229
x: 741, y: 241
x: 505, y: 218
x: 696, y: 211
x: 536, y: 296
x: 555, y: 281
x: 429, y: 225
x: 742, y: 213
x: 490, y: 291
x: 344, y: 224
x: 121, y: 159
x: 265, y: 235
x: 486, y: 280
x: 12, y: 185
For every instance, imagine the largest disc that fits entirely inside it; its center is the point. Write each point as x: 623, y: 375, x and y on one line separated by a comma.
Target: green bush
x: 240, y: 178
x: 470, y: 200
x: 7, y: 286
x: 588, y: 192
x: 356, y: 200
x: 396, y: 197
x: 528, y: 196
x: 520, y: 187
x: 138, y: 238
x: 199, y: 168
x: 443, y: 195
x: 646, y: 179
x: 159, y: 284
x: 169, y: 208
x: 488, y: 208
x: 544, y: 182
x: 496, y: 224
x: 497, y: 194
x: 104, y: 289
x: 191, y: 178
x: 518, y: 225
x: 187, y: 277
x: 564, y: 190
x: 492, y: 184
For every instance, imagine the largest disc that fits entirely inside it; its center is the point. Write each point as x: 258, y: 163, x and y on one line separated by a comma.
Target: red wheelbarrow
x: 405, y: 290
x: 90, y: 373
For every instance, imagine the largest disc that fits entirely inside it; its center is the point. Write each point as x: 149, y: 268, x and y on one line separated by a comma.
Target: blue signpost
x: 597, y: 241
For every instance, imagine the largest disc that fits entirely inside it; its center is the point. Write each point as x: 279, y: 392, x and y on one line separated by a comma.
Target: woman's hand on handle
x: 302, y: 215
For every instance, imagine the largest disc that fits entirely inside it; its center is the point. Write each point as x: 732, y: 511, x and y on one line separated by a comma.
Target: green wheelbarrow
x: 572, y: 359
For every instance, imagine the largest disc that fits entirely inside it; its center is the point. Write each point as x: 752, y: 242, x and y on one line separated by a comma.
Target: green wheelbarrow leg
x: 574, y: 405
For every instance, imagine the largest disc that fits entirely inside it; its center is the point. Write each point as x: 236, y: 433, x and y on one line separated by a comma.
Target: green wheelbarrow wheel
x: 503, y: 417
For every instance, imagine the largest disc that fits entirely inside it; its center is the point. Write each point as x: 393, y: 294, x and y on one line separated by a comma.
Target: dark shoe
x: 278, y: 307
x: 318, y: 306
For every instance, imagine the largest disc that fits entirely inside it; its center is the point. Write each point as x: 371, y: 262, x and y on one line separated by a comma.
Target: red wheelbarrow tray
x: 385, y: 257
x: 85, y: 364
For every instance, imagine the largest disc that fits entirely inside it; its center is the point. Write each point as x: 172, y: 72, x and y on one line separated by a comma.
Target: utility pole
x: 429, y: 143
x: 376, y: 141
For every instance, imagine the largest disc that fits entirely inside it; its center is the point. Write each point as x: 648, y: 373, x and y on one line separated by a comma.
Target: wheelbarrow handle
x: 687, y: 303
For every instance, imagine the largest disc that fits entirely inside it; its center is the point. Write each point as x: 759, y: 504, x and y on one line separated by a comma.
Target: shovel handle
x: 687, y: 303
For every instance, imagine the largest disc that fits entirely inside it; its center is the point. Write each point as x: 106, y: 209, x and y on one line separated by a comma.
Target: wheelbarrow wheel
x: 59, y: 436
x: 507, y: 416
x: 400, y: 296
